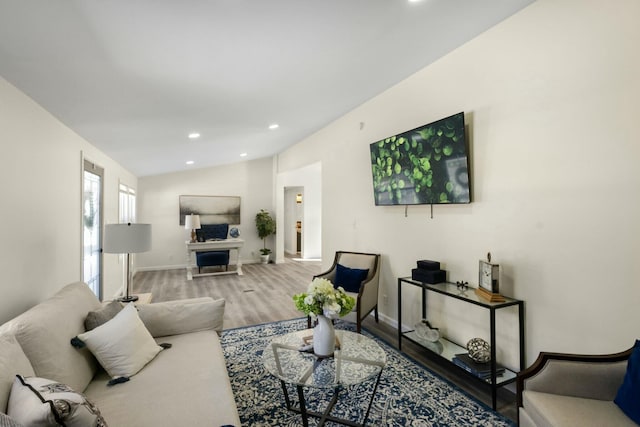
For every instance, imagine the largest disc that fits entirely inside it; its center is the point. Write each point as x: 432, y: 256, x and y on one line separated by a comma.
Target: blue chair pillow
x: 350, y: 278
x: 629, y: 392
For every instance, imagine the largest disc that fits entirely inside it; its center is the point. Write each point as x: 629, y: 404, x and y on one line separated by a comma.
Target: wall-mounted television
x: 425, y: 165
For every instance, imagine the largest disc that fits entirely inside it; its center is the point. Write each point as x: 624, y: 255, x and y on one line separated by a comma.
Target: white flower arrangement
x: 323, y: 298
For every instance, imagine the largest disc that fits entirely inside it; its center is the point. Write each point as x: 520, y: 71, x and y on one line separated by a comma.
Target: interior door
x: 92, y: 198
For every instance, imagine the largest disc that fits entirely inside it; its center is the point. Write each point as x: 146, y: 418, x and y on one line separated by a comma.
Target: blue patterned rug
x: 408, y: 394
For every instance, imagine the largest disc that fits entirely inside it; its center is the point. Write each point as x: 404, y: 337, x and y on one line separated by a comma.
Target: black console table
x: 448, y: 349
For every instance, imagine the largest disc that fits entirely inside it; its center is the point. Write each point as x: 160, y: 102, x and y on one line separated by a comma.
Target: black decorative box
x: 429, y: 276
x: 425, y: 264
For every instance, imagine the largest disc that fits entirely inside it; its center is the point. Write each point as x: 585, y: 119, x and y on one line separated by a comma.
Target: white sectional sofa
x: 184, y: 385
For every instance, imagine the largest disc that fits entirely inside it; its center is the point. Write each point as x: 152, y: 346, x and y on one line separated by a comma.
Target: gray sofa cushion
x: 101, y: 316
x: 183, y: 316
x: 12, y: 362
x: 190, y: 377
x: 44, y: 333
x: 546, y: 410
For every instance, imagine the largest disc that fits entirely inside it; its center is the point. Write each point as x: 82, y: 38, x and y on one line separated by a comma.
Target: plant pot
x: 264, y: 259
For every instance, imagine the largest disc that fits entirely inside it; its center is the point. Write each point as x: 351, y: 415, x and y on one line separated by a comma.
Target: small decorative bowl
x: 479, y: 350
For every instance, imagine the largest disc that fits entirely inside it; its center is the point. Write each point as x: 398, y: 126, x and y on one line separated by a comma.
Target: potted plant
x: 266, y: 226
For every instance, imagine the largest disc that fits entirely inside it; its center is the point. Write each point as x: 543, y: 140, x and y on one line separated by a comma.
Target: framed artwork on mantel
x: 212, y: 209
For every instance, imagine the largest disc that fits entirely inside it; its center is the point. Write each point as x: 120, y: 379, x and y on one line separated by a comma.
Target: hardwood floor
x: 263, y: 294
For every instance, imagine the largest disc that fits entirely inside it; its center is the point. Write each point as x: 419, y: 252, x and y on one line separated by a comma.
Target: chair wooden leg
x: 375, y: 313
x: 308, y: 322
x: 358, y: 325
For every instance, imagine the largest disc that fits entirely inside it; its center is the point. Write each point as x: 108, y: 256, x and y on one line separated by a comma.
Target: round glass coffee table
x: 357, y: 360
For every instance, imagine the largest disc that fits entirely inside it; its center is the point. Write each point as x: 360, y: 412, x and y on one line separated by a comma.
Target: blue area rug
x: 408, y: 394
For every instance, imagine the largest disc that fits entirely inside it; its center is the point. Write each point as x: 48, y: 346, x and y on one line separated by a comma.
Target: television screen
x: 426, y: 165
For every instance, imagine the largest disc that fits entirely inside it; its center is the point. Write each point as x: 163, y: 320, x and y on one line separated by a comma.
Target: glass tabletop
x: 358, y: 359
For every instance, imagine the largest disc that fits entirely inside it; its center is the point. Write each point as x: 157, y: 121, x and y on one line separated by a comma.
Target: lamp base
x: 128, y: 298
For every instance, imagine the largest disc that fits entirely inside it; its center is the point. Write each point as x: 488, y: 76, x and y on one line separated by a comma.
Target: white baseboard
x: 184, y: 266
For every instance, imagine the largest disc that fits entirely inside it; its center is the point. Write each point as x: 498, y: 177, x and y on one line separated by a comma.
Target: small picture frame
x: 489, y: 277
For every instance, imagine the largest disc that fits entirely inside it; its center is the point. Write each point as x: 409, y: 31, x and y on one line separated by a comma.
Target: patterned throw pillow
x: 43, y: 402
x: 6, y: 421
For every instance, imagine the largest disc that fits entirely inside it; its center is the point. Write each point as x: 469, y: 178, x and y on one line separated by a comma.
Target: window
x: 127, y: 210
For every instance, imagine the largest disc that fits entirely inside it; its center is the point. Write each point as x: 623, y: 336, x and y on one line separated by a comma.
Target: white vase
x: 324, y: 337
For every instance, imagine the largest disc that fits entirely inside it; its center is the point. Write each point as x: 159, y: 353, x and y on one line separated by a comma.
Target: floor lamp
x: 127, y: 239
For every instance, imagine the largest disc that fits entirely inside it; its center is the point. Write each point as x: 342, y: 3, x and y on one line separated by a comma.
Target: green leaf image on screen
x: 426, y: 165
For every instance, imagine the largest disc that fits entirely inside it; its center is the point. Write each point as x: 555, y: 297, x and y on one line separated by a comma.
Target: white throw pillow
x: 41, y: 402
x: 123, y: 345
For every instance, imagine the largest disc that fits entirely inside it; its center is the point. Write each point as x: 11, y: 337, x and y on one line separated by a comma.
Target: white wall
x: 40, y: 243
x: 158, y: 205
x: 551, y: 101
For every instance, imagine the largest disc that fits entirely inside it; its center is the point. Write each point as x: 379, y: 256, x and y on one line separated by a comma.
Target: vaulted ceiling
x: 136, y: 77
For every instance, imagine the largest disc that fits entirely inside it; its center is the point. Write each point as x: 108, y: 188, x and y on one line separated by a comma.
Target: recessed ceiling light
x: 274, y: 126
x: 243, y: 154
x: 190, y: 162
x: 194, y: 135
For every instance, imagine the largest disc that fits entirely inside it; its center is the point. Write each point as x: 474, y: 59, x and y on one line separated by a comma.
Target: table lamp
x: 127, y: 239
x: 192, y: 222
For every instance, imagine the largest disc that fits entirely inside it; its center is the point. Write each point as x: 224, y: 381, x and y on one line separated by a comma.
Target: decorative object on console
x: 266, y: 226
x: 479, y: 350
x: 489, y: 280
x: 429, y: 272
x: 234, y: 232
x: 427, y: 332
x: 192, y: 222
x: 482, y: 370
x: 127, y: 239
x: 325, y: 302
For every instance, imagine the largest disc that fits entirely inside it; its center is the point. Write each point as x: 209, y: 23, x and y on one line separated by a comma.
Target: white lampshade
x: 126, y: 238
x: 192, y: 222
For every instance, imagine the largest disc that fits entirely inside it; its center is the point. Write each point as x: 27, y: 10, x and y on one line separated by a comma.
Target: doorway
x: 293, y: 219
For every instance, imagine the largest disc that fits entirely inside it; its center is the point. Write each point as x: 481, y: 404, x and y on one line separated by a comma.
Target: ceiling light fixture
x: 194, y: 135
x: 274, y: 126
x: 190, y: 162
x: 243, y: 154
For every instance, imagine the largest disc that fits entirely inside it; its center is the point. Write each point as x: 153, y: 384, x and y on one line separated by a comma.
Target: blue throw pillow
x: 629, y: 392
x: 350, y: 278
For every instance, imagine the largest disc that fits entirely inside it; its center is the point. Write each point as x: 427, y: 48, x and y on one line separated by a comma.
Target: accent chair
x: 359, y: 274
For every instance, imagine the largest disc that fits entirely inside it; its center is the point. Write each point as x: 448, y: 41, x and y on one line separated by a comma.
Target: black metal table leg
x: 303, y: 409
x: 326, y: 415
